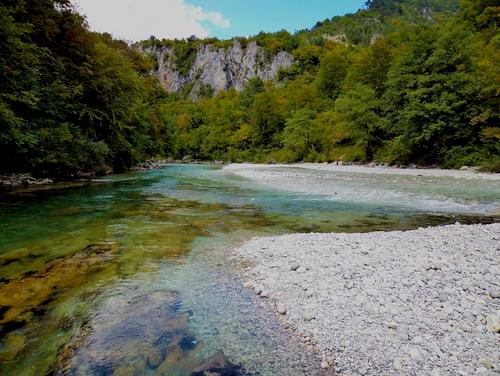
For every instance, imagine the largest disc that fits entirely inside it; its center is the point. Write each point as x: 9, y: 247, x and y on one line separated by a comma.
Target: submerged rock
x: 23, y: 298
x: 218, y: 365
x: 131, y: 335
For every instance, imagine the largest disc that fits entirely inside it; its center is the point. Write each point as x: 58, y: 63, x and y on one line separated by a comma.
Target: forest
x: 399, y: 82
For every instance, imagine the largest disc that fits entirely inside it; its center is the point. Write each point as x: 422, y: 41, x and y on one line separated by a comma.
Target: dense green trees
x: 433, y: 95
x: 422, y: 88
x: 71, y: 101
x: 403, y: 81
x: 332, y: 72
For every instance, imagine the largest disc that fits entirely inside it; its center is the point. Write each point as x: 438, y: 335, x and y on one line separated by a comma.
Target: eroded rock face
x: 221, y: 69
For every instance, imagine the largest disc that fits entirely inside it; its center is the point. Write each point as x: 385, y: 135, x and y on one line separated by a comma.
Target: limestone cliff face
x: 221, y: 69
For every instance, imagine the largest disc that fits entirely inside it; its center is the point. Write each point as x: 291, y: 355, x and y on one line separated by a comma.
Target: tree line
x: 401, y: 82
x: 419, y: 87
x: 72, y: 102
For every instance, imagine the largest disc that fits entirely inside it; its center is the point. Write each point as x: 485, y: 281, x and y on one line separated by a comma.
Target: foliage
x: 401, y: 81
x: 332, y: 72
x: 71, y: 101
x: 185, y: 54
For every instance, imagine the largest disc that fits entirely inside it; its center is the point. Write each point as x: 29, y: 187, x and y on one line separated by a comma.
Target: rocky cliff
x: 218, y: 68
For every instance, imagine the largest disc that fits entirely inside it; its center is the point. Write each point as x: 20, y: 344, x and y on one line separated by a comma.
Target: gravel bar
x: 422, y: 302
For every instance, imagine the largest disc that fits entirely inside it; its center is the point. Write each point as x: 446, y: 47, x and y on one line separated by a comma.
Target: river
x: 130, y: 274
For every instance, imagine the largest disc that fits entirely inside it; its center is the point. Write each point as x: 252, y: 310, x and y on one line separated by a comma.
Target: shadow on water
x: 102, y: 278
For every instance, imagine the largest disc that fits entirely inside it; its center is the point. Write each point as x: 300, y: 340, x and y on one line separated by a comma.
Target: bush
x: 492, y: 165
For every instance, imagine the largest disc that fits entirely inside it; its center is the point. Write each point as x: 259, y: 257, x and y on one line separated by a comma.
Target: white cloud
x: 139, y: 19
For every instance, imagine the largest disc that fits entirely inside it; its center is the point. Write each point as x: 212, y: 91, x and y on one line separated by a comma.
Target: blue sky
x: 251, y: 17
x: 139, y: 19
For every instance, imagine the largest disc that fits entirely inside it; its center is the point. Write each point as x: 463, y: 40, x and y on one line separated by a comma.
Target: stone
x: 324, y: 365
x: 494, y: 292
x: 443, y: 297
x: 219, y: 68
x: 466, y: 328
x: 402, y: 333
x: 264, y: 294
x: 486, y: 363
x: 280, y: 308
x: 294, y: 267
x: 397, y: 365
x: 349, y: 285
x: 399, y: 316
x: 415, y: 354
x: 308, y: 316
x: 493, y: 323
x: 392, y: 325
x: 418, y: 340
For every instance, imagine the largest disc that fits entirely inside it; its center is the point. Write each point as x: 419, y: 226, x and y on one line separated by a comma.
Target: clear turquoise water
x: 156, y: 294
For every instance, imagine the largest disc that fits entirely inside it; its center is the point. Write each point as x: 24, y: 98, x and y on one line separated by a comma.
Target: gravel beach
x: 425, y: 190
x: 422, y: 302
x: 247, y: 168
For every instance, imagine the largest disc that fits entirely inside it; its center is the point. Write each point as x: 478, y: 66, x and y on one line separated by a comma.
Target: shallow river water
x: 130, y: 275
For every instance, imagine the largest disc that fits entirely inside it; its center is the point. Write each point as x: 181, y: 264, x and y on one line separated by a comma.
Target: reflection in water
x: 130, y: 277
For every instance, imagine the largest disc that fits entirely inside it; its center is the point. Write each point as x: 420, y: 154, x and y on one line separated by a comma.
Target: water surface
x: 129, y: 275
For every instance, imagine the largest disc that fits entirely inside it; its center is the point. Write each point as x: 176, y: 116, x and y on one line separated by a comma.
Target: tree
x: 386, y: 7
x: 267, y: 118
x: 253, y: 87
x: 332, y: 72
x: 371, y: 66
x: 358, y: 114
x: 297, y: 136
x: 66, y: 93
x: 433, y: 96
x: 483, y: 14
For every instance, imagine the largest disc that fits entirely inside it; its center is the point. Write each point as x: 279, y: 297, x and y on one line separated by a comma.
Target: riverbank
x: 424, y: 190
x: 246, y: 169
x: 22, y: 180
x: 416, y: 302
x: 26, y: 179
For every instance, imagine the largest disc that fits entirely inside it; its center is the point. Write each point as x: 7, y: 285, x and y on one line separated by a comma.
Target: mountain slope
x: 199, y: 67
x: 401, y: 82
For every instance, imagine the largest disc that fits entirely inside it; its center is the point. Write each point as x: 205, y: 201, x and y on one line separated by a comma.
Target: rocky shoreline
x: 418, y: 302
x: 26, y: 179
x: 22, y: 180
x: 369, y: 168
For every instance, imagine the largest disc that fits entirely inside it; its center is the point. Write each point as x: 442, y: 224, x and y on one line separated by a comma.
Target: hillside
x: 198, y: 67
x: 401, y: 82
